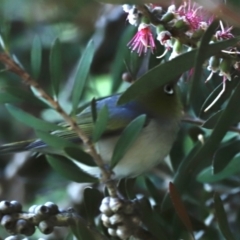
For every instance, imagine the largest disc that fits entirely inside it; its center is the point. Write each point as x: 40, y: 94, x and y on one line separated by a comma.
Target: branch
x: 200, y: 122
x: 12, y: 66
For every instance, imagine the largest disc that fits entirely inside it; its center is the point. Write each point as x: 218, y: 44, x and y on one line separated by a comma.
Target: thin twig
x: 200, y: 122
x: 12, y: 66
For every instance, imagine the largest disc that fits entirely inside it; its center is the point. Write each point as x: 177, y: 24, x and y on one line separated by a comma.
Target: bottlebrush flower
x: 224, y: 33
x: 143, y: 40
x: 190, y: 13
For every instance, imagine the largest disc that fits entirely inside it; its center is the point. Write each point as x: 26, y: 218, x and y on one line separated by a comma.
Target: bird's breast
x: 151, y: 147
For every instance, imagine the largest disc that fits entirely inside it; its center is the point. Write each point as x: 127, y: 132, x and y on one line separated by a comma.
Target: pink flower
x: 143, y: 40
x: 190, y: 13
x: 224, y: 33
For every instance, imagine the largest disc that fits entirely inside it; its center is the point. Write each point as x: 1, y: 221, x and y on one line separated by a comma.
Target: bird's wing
x: 119, y: 118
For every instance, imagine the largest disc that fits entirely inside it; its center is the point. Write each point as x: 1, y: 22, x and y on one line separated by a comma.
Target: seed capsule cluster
x: 119, y: 217
x: 15, y: 221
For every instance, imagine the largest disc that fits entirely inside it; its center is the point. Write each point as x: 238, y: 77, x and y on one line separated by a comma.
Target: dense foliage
x: 79, y: 51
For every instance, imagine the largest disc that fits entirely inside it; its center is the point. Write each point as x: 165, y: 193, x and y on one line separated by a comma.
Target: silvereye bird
x: 163, y: 109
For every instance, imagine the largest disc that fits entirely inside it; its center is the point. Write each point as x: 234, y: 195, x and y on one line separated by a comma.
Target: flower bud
x: 213, y: 64
x: 167, y: 17
x: 157, y: 11
x: 197, y: 34
x: 181, y: 25
x: 177, y: 49
x: 225, y: 68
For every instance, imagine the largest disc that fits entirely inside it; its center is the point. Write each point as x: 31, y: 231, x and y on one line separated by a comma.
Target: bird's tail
x: 16, y: 147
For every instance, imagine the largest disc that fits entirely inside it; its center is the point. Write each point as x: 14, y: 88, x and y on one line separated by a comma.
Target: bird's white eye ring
x: 168, y: 89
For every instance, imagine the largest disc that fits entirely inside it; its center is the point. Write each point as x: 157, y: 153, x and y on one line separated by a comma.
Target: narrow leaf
x: 9, y: 94
x: 36, y: 56
x: 222, y: 218
x: 180, y: 208
x: 101, y: 123
x: 83, y: 231
x: 123, y: 53
x: 184, y: 62
x: 153, y: 190
x: 68, y: 169
x: 127, y: 138
x: 92, y: 201
x: 56, y: 66
x: 207, y: 176
x: 79, y: 155
x: 30, y: 120
x: 150, y: 220
x: 201, y: 56
x: 54, y: 141
x: 211, y: 122
x: 201, y: 158
x: 224, y: 155
x: 82, y: 74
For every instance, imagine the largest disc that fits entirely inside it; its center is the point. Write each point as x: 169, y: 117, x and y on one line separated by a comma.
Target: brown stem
x: 12, y: 66
x: 200, y: 122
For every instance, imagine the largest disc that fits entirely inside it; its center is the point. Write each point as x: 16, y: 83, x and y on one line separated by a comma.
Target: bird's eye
x: 168, y: 89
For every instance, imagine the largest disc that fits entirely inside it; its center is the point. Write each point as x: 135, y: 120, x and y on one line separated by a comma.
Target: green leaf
x: 36, y: 56
x: 83, y: 231
x: 55, y: 141
x: 79, y: 155
x: 222, y: 218
x: 201, y: 56
x: 101, y: 123
x: 82, y: 74
x: 202, y: 158
x: 127, y: 138
x: 123, y: 53
x: 168, y: 71
x: 207, y: 176
x: 69, y: 236
x: 55, y: 65
x: 5, y: 97
x: 10, y: 94
x: 211, y: 122
x: 30, y: 120
x: 180, y: 208
x: 218, y: 133
x: 150, y: 220
x: 153, y: 190
x: 224, y: 155
x: 92, y: 201
x: 68, y: 169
